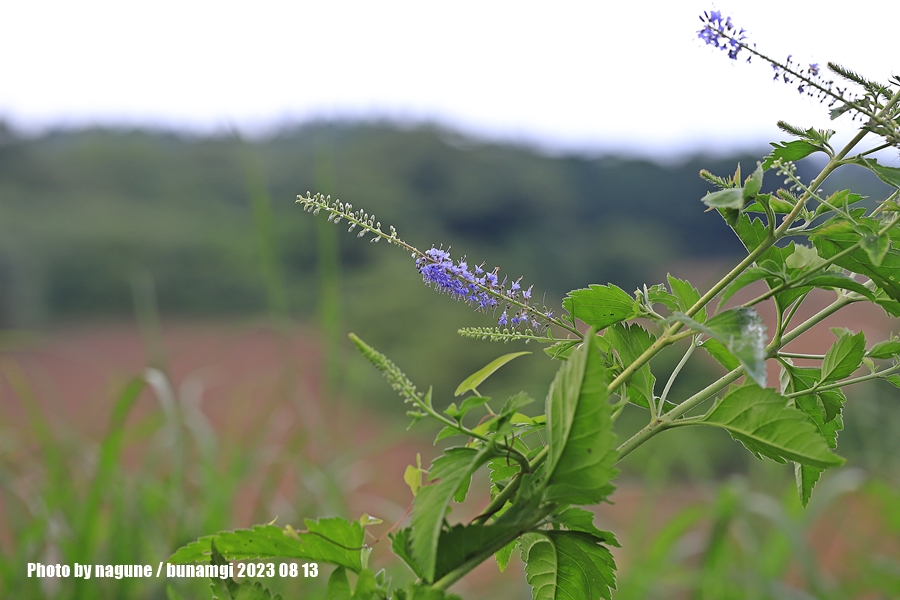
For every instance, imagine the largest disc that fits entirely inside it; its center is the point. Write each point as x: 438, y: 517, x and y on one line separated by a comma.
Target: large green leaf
x: 600, y: 305
x: 448, y: 474
x: 740, y: 331
x: 477, y: 378
x: 790, y: 151
x: 464, y: 542
x: 761, y: 419
x: 889, y: 175
x: 823, y: 410
x: 582, y: 452
x: 839, y: 236
x: 332, y: 540
x: 630, y: 341
x: 567, y: 565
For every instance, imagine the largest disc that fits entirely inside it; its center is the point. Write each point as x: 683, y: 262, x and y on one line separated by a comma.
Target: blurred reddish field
x: 258, y: 392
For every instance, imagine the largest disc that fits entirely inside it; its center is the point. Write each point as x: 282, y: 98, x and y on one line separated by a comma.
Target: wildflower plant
x: 544, y: 470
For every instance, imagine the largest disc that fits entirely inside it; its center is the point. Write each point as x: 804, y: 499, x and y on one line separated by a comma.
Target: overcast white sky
x: 566, y: 75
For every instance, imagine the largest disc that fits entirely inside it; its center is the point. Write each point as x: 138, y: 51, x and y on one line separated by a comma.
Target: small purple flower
x: 485, y: 292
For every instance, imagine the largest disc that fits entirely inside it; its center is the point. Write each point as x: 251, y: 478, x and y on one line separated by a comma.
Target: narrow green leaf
x: 477, y: 378
x: 885, y: 349
x: 600, y: 306
x: 894, y: 380
x: 582, y: 452
x: 567, y: 565
x: 448, y: 474
x: 742, y: 332
x: 844, y: 357
x: 761, y: 419
x: 729, y: 198
x: 630, y: 341
x: 789, y: 151
x: 332, y: 540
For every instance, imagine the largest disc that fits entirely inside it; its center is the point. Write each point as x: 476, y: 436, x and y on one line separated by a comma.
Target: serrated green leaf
x: 446, y: 432
x: 753, y: 183
x: 574, y: 518
x: 729, y: 198
x: 561, y: 350
x: 841, y: 199
x: 420, y: 591
x: 885, y: 349
x: 839, y: 236
x: 503, y: 555
x: 222, y: 589
x: 630, y: 341
x: 582, y: 453
x: 823, y: 410
x: 743, y: 280
x: 844, y: 357
x: 789, y: 151
x: 876, y: 246
x: 894, y: 380
x: 686, y: 295
x: 839, y: 280
x: 719, y: 352
x: 332, y: 540
x: 889, y: 175
x: 761, y: 419
x: 742, y: 332
x: 462, y: 543
x: 339, y: 586
x: 803, y: 257
x: 400, y: 544
x: 477, y: 378
x: 659, y: 295
x: 600, y: 306
x: 514, y: 403
x: 448, y: 474
x: 567, y: 565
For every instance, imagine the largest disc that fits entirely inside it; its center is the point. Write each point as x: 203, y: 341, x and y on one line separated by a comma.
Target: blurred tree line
x: 85, y: 213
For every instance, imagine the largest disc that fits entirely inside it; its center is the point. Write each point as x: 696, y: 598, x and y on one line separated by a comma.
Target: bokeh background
x: 149, y: 163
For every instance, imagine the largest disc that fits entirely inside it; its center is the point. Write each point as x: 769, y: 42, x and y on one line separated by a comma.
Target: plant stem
x: 839, y: 384
x: 674, y: 375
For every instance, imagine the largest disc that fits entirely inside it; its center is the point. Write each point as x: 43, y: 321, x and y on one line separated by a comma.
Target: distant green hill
x: 82, y: 213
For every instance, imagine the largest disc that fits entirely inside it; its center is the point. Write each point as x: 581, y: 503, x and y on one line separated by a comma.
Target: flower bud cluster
x: 479, y: 288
